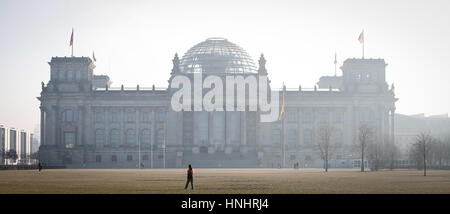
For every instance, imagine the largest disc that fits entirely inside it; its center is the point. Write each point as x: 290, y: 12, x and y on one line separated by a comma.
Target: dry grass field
x: 254, y: 181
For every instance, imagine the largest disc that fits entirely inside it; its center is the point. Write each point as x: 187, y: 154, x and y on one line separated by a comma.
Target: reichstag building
x: 87, y: 124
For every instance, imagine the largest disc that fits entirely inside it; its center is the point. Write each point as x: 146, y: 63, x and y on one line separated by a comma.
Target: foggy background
x: 134, y: 43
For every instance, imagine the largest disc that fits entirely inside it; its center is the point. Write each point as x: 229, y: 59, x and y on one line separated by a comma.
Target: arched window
x: 99, y: 136
x: 145, y: 138
x: 115, y: 137
x: 130, y: 136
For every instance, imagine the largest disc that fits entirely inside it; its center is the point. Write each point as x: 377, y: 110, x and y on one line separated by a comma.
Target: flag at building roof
x: 93, y: 57
x: 71, y: 39
x: 361, y: 37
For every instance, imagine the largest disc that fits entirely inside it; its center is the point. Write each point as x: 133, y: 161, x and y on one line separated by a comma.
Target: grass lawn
x: 257, y: 181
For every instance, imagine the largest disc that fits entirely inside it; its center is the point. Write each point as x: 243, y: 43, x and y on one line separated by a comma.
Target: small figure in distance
x: 39, y: 166
x: 190, y: 177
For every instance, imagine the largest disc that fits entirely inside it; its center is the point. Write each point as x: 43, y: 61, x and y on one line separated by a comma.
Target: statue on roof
x: 176, y: 64
x: 262, y: 65
x: 392, y: 88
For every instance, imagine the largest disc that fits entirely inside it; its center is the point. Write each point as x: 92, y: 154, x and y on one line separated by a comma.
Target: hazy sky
x: 134, y: 43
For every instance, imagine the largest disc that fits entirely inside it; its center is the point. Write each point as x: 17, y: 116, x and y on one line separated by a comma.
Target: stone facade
x: 92, y: 127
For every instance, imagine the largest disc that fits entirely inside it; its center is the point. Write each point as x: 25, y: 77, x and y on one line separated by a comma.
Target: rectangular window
x: 276, y: 136
x: 99, y: 117
x: 291, y: 116
x: 307, y: 117
x: 323, y: 117
x: 114, y: 158
x: 131, y: 116
x: 292, y: 136
x: 307, y: 136
x: 68, y: 116
x: 161, y: 116
x: 98, y: 158
x: 145, y: 157
x: 145, y: 117
x: 129, y: 157
x: 115, y: 116
x: 339, y: 117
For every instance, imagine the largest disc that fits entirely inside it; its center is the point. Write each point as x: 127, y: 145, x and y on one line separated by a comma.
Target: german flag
x: 361, y: 37
x: 71, y: 39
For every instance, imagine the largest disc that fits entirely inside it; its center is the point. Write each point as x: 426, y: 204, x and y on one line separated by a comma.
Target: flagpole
x: 164, y: 144
x: 363, y: 44
x: 335, y: 61
x: 139, y: 140
x: 283, y: 149
x: 282, y: 129
x: 363, y: 50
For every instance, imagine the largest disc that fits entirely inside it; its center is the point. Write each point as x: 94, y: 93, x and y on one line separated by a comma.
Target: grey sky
x: 134, y: 42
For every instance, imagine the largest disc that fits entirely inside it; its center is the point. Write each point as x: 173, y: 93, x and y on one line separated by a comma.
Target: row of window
x: 69, y: 75
x: 130, y: 137
x: 336, y: 136
x: 69, y: 116
x: 323, y: 117
x: 114, y: 116
x: 98, y: 158
x: 291, y: 116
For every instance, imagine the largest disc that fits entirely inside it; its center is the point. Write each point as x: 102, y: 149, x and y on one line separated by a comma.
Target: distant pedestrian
x: 39, y: 166
x: 190, y: 177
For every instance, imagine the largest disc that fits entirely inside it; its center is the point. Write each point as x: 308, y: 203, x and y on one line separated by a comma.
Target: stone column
x: 56, y: 126
x: 153, y: 138
x: 211, y: 129
x: 80, y: 115
x: 243, y: 121
x: 180, y: 127
x: 42, y: 125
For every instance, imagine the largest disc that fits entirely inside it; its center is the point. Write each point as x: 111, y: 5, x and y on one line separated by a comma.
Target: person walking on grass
x: 39, y: 166
x: 190, y: 177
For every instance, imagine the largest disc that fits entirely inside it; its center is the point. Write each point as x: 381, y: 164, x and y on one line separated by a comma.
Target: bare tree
x: 11, y: 155
x: 376, y: 154
x: 364, y: 136
x: 324, y: 144
x: 421, y: 149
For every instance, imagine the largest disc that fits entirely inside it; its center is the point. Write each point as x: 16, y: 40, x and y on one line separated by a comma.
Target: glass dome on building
x: 217, y: 55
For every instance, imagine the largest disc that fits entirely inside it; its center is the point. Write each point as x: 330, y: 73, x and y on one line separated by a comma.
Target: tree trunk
x: 326, y: 163
x: 424, y: 161
x: 362, y: 158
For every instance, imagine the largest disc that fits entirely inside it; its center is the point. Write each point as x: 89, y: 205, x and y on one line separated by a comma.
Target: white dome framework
x: 217, y: 55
